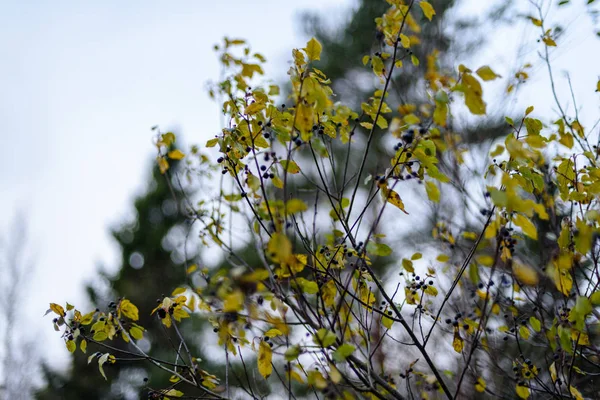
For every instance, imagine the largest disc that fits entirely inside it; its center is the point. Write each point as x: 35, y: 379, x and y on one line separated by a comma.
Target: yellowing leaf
x: 71, y: 346
x: 212, y: 142
x: 535, y: 323
x: 343, y: 352
x: 527, y: 226
x: 290, y: 166
x: 458, y: 343
x: 487, y: 74
x: 136, y: 333
x: 176, y: 154
x: 129, y: 310
x: 522, y: 391
x: 313, y: 49
x: 480, y: 385
x: 432, y: 191
x: 233, y: 302
x: 473, y: 94
x: 83, y: 346
x: 295, y: 205
x: 535, y: 21
x: 549, y: 41
x: 575, y: 393
x: 392, y: 197
x: 255, y: 108
x: 174, y: 393
x: 280, y: 248
x: 265, y: 355
x: 525, y: 274
x: 427, y: 9
x: 324, y: 338
x: 405, y: 41
x: 58, y: 309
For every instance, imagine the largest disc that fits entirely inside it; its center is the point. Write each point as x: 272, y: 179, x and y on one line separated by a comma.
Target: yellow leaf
x: 255, y: 108
x: 535, y: 21
x: 233, y: 302
x: 526, y: 225
x: 575, y: 393
x: 427, y: 9
x: 473, y: 94
x: 290, y: 166
x: 522, y: 391
x: 295, y: 205
x: 480, y: 385
x: 549, y: 41
x: 432, y: 191
x: 553, y: 373
x: 280, y: 248
x: 176, y: 154
x: 458, y: 343
x: 487, y: 74
x: 525, y: 274
x: 83, y: 346
x: 71, y: 346
x: 58, y: 309
x: 129, y: 310
x: 265, y: 354
x: 392, y: 197
x: 191, y: 269
x: 313, y: 49
x: 405, y: 41
x: 163, y: 164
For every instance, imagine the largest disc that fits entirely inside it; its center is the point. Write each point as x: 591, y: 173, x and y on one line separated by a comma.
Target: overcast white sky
x: 82, y: 83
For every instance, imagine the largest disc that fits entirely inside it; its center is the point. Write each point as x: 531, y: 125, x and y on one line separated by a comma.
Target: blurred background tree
x: 152, y: 264
x: 18, y: 356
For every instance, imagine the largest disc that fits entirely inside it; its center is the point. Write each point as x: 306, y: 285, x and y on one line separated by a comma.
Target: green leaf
x: 535, y: 324
x: 324, y: 337
x: 344, y: 351
x: 212, y: 142
x: 136, y: 333
x: 292, y: 353
x: 307, y: 286
x: 583, y: 306
x: 378, y: 249
x: 595, y: 298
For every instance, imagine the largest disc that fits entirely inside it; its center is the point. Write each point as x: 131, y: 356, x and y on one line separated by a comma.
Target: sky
x: 83, y: 82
